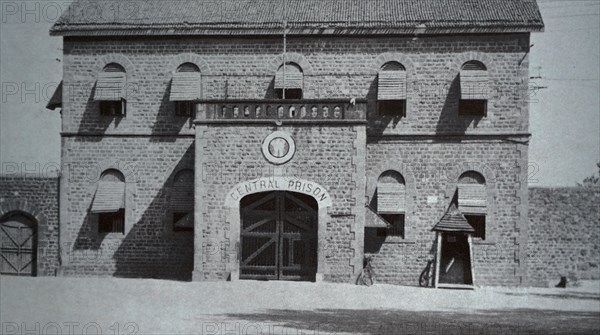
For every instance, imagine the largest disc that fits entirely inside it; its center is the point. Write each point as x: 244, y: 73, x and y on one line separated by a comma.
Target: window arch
x: 186, y: 86
x: 289, y: 81
x: 391, y: 201
x: 111, y: 90
x: 188, y: 67
x: 109, y: 202
x: 391, y: 90
x: 474, y: 89
x: 113, y: 67
x: 472, y: 201
x: 182, y: 200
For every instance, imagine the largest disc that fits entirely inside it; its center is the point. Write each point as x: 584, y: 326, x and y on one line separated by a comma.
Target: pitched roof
x: 453, y: 220
x: 245, y: 17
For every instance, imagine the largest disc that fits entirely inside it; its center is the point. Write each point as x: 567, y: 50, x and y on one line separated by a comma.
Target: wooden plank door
x: 18, y: 249
x: 278, y: 237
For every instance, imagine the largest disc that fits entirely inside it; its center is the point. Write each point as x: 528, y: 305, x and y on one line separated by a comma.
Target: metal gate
x: 278, y: 236
x: 18, y: 247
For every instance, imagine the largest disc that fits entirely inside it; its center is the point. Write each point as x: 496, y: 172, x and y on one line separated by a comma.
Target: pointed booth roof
x: 453, y: 221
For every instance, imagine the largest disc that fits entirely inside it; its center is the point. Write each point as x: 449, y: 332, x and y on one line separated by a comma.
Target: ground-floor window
x: 112, y: 222
x: 396, y: 225
x: 478, y: 223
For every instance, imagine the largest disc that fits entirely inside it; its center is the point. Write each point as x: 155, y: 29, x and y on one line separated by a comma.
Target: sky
x: 564, y: 112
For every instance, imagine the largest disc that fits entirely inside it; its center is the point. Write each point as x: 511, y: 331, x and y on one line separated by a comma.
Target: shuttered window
x: 289, y: 77
x: 109, y: 202
x: 182, y: 200
x: 391, y: 193
x: 472, y: 194
x: 391, y: 85
x: 474, y: 81
x: 186, y: 86
x: 111, y: 83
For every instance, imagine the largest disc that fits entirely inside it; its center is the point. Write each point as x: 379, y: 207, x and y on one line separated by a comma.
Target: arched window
x: 109, y: 202
x: 110, y: 90
x: 391, y: 201
x: 186, y: 86
x: 182, y: 200
x: 289, y: 81
x: 472, y: 200
x: 474, y: 89
x: 391, y: 90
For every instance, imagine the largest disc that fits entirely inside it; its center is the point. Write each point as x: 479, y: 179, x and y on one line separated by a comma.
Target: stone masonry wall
x: 431, y: 170
x: 155, y: 142
x: 38, y: 198
x: 149, y: 248
x: 324, y: 154
x: 564, y: 234
x: 333, y: 67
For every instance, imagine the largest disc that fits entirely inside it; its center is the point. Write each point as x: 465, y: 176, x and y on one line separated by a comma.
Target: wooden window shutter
x: 294, y: 78
x: 391, y: 197
x: 109, y: 197
x: 186, y: 86
x: 391, y: 85
x: 472, y: 198
x: 474, y: 81
x: 110, y: 86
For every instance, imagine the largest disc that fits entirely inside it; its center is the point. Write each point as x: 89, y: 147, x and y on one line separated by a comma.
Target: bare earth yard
x: 141, y: 306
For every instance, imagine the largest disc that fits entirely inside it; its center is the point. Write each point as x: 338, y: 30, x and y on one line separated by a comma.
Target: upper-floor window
x: 472, y: 200
x: 391, y: 202
x: 109, y: 202
x: 391, y: 90
x: 110, y: 90
x: 289, y: 81
x: 474, y: 89
x: 186, y: 86
x: 182, y: 200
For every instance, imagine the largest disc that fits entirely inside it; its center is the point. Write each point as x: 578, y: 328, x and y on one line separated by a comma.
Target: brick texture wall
x: 563, y: 234
x: 324, y: 155
x: 431, y: 170
x: 38, y: 198
x: 149, y: 248
x: 155, y: 143
x: 334, y: 67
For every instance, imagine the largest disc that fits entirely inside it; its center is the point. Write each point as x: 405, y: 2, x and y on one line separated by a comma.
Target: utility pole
x: 284, y: 10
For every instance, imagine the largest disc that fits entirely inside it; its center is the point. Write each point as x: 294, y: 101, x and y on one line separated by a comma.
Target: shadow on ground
x: 335, y: 321
x: 566, y: 295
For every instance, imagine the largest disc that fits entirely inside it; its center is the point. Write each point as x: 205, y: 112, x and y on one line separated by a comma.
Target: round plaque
x: 279, y: 147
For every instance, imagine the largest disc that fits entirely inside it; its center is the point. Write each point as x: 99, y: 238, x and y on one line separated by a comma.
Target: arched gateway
x: 277, y: 222
x: 278, y: 238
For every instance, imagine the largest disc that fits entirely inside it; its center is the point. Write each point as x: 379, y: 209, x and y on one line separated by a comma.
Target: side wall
x: 38, y: 198
x: 564, y: 234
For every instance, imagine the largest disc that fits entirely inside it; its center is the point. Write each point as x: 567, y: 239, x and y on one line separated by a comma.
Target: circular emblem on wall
x: 279, y: 147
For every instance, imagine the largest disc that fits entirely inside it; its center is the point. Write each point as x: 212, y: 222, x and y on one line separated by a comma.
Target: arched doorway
x: 18, y: 245
x: 278, y: 236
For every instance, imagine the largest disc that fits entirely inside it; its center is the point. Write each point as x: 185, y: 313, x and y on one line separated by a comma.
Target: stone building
x: 291, y: 140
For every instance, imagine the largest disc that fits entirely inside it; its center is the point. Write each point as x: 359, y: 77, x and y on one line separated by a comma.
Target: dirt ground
x: 140, y: 306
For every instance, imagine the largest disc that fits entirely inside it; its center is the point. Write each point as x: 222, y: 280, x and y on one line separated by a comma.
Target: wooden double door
x: 278, y: 237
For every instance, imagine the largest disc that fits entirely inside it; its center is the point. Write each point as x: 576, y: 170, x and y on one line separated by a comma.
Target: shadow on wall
x: 91, y: 120
x: 377, y: 124
x: 151, y: 248
x: 449, y: 120
x: 166, y: 121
